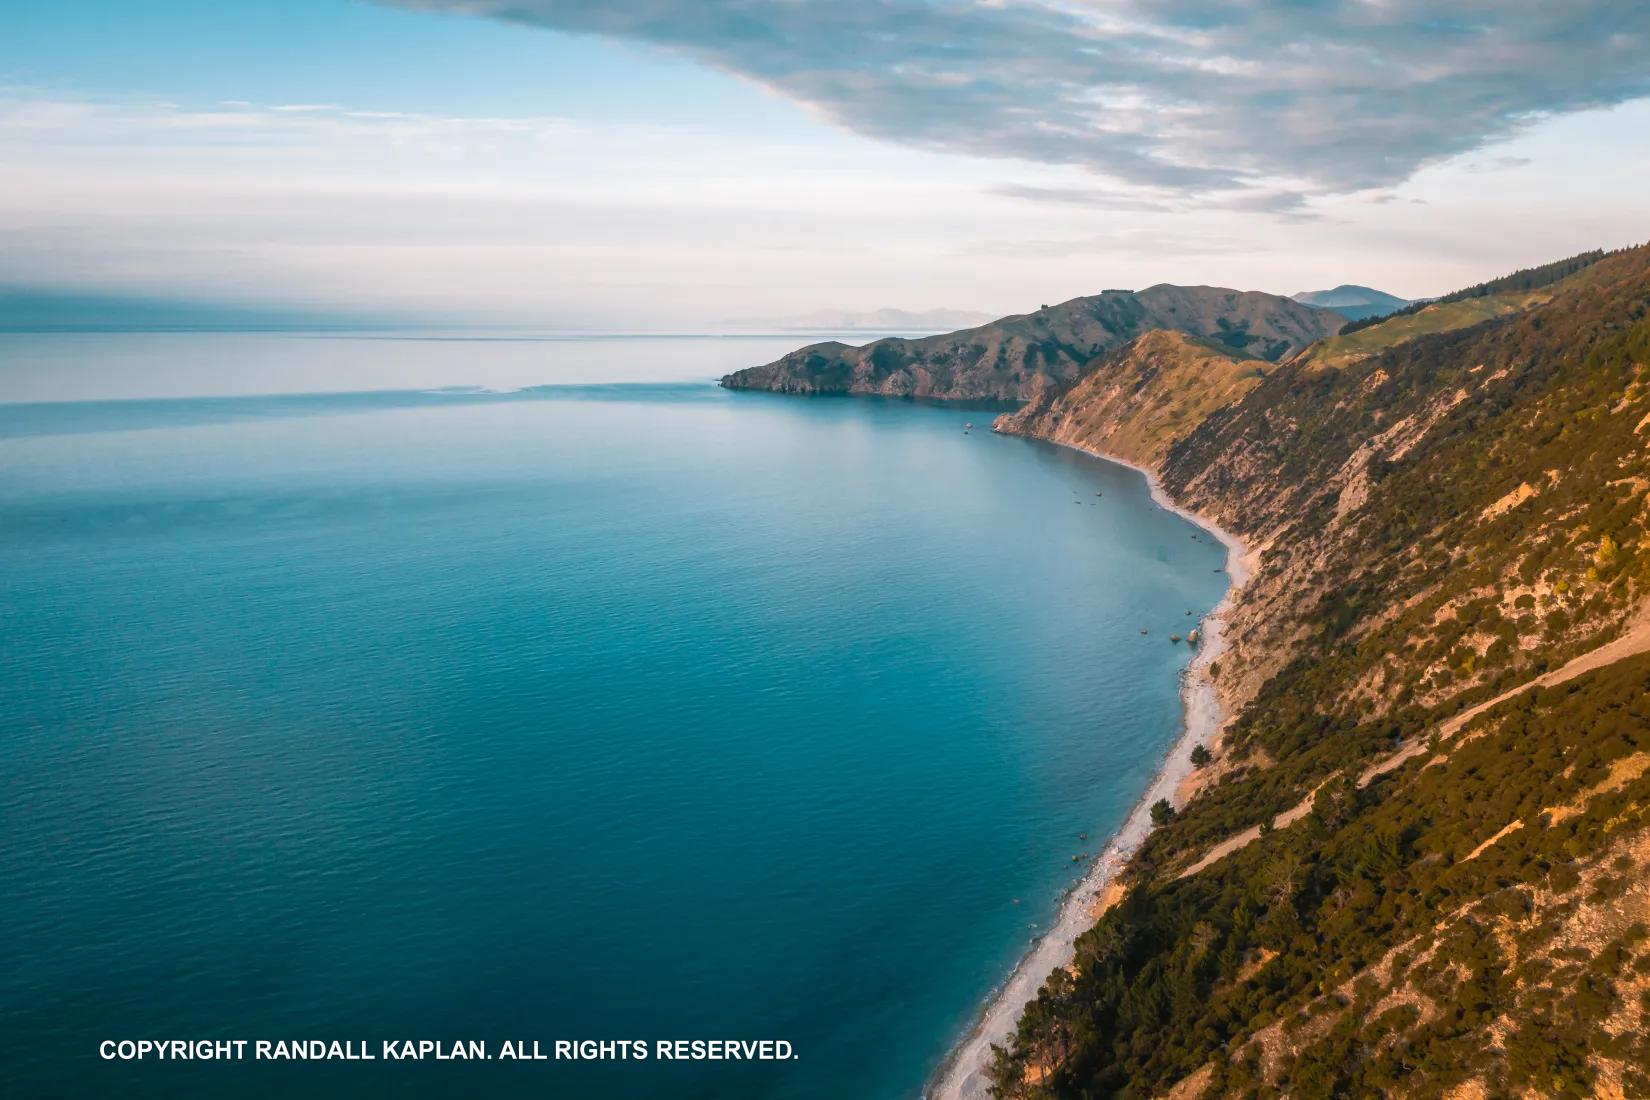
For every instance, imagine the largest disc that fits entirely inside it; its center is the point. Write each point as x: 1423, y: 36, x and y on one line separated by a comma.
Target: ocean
x: 370, y: 689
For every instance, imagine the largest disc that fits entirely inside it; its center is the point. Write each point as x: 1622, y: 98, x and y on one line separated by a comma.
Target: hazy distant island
x: 1411, y: 859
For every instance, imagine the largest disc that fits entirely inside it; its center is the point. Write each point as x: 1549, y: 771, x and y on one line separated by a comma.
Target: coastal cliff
x: 1024, y: 357
x: 1416, y: 866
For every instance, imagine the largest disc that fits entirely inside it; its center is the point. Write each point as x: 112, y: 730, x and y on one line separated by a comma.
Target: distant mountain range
x: 867, y: 320
x: 1353, y: 302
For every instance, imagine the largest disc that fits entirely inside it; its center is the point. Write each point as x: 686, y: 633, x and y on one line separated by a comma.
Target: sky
x: 674, y: 164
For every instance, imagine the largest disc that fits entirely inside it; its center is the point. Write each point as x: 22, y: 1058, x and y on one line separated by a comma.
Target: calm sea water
x: 630, y: 711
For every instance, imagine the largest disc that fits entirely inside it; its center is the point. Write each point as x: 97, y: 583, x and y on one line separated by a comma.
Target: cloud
x: 1128, y: 242
x: 1282, y: 203
x: 1499, y: 164
x: 1199, y: 96
x: 33, y: 123
x: 1096, y: 198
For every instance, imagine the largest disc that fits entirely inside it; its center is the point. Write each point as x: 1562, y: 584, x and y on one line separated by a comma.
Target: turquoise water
x: 628, y: 711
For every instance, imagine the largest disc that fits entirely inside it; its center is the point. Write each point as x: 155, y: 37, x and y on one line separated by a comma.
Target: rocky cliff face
x: 1024, y: 357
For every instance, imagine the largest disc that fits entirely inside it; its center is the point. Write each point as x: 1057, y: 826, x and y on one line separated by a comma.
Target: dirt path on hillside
x: 1631, y: 642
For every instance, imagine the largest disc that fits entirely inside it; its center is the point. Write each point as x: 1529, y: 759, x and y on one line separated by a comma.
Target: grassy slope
x: 1443, y: 520
x: 1138, y: 401
x: 1338, y: 351
x: 1497, y: 298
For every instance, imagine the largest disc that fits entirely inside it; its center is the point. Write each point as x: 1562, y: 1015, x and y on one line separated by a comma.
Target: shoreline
x: 961, y: 1076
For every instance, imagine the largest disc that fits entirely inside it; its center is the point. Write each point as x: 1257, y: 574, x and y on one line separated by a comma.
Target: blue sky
x: 672, y: 164
x: 367, y: 55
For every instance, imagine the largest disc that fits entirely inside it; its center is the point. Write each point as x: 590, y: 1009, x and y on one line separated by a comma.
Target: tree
x: 1162, y: 813
x: 1201, y: 756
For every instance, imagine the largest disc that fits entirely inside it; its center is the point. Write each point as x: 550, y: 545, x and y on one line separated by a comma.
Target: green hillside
x: 1460, y: 309
x: 1360, y: 343
x: 1420, y: 869
x: 1142, y: 398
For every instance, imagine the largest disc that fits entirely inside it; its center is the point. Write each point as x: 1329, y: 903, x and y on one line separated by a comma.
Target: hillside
x: 1352, y: 301
x: 1023, y: 357
x: 1417, y: 865
x: 1138, y: 400
x: 1359, y: 342
x: 1461, y: 309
